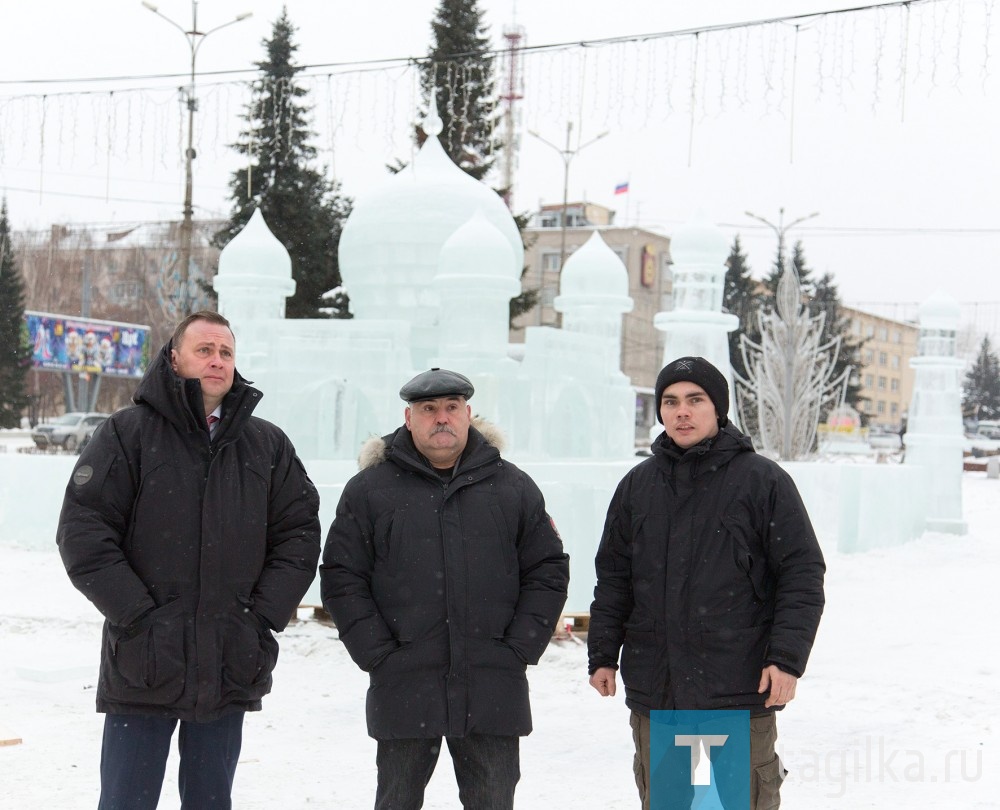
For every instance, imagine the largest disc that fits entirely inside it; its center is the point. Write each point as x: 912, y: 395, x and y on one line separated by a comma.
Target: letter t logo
x: 694, y: 742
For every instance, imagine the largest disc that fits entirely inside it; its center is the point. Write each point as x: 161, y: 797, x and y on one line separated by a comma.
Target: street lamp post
x: 780, y: 230
x: 567, y: 154
x: 194, y: 38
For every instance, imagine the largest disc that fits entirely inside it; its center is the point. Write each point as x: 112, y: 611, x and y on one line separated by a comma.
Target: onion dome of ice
x: 940, y: 311
x: 255, y: 251
x: 421, y: 206
x: 594, y: 269
x: 698, y: 242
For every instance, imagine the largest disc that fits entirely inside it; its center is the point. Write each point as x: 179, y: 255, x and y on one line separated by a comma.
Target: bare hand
x: 603, y: 680
x: 781, y: 684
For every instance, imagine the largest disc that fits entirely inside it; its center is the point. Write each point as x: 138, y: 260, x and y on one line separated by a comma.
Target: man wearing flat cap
x: 445, y: 577
x: 709, y: 586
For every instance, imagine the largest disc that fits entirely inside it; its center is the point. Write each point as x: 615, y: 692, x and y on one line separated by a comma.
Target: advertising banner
x: 83, y: 345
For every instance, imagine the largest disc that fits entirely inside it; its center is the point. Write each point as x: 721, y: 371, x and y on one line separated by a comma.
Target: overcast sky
x: 883, y: 122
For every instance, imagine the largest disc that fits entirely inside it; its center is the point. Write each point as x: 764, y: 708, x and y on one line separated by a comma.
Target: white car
x: 71, y: 431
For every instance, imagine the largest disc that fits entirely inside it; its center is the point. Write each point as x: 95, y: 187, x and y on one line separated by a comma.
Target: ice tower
x: 697, y: 325
x: 934, y: 436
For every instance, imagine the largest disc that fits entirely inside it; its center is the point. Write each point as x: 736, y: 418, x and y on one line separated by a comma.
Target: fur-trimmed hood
x: 375, y: 450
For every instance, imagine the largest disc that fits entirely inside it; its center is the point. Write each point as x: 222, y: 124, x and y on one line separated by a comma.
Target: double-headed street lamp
x: 194, y: 38
x: 567, y: 156
x: 780, y: 230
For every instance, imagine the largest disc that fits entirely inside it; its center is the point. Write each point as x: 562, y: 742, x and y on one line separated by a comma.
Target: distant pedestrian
x: 709, y: 579
x: 192, y: 526
x: 445, y: 577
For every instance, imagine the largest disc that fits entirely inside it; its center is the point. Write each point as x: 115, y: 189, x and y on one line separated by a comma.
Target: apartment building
x: 883, y: 367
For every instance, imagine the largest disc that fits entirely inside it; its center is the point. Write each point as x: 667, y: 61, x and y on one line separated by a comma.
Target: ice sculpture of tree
x: 789, y: 374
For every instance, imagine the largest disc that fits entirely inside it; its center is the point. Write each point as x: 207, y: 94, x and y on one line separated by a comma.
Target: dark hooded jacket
x: 194, y: 549
x: 443, y: 590
x: 708, y: 571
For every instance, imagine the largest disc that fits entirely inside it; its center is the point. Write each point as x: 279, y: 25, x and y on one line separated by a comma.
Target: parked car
x: 988, y: 430
x: 71, y: 431
x: 880, y: 438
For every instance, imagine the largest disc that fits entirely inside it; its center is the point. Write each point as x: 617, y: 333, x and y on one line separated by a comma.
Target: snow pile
x: 898, y: 708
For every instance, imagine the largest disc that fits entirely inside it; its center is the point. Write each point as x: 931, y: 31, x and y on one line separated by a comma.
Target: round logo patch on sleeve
x: 83, y: 474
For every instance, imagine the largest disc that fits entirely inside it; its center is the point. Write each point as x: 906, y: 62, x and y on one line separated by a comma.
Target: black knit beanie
x: 702, y: 373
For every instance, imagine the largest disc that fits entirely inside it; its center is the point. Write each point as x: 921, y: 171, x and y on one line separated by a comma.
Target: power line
x: 100, y: 197
x: 877, y: 230
x: 370, y: 64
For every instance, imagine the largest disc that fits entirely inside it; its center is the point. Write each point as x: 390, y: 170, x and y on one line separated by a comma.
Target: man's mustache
x: 443, y: 429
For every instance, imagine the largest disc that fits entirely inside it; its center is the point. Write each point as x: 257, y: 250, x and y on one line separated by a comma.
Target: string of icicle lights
x: 878, y: 58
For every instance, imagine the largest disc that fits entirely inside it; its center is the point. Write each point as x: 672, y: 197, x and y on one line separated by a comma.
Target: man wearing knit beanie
x: 709, y: 594
x: 703, y: 374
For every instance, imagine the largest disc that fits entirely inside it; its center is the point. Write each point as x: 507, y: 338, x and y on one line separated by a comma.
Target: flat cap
x: 438, y: 382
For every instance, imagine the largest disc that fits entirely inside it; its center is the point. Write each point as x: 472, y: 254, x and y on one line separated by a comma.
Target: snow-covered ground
x: 899, y: 707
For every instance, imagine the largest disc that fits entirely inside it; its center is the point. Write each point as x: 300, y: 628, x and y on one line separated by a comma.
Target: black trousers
x: 487, y: 769
x: 134, y: 759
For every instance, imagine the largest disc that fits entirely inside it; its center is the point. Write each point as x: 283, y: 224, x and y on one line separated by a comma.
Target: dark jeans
x: 134, y: 758
x: 487, y: 770
x: 766, y: 771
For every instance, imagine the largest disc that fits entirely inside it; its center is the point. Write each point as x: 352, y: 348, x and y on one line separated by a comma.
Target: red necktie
x: 212, y: 420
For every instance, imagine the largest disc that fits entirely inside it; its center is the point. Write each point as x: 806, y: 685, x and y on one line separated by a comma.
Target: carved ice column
x: 696, y: 325
x: 934, y: 435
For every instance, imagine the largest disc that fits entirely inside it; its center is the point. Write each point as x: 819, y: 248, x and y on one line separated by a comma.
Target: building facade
x: 884, y: 366
x: 646, y: 256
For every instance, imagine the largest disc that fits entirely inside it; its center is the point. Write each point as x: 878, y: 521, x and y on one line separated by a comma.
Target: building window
x: 883, y: 359
x: 883, y: 334
x: 895, y: 361
x: 869, y: 380
x: 894, y: 408
x: 897, y: 337
x: 550, y: 262
x: 548, y: 295
x: 894, y: 384
x: 881, y: 408
x: 881, y: 383
x: 126, y: 291
x: 869, y: 357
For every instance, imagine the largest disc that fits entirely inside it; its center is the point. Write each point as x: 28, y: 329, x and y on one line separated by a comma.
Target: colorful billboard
x: 83, y: 345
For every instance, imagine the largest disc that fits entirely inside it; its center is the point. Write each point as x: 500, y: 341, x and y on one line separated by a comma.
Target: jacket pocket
x: 507, y: 550
x: 144, y: 663
x: 389, y: 538
x: 249, y: 654
x: 753, y: 566
x: 639, y: 653
x: 727, y: 662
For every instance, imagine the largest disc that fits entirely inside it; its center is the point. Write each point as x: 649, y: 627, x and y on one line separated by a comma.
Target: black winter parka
x: 193, y: 549
x: 708, y: 570
x: 444, y: 591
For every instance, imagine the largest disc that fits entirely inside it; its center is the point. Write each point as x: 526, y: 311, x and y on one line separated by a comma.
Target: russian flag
x: 622, y: 188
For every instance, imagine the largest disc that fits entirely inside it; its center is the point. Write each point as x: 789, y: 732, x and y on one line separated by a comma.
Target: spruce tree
x: 303, y: 209
x: 740, y: 298
x: 798, y: 260
x: 826, y: 299
x: 823, y: 296
x: 981, y: 391
x: 15, y: 351
x: 459, y: 67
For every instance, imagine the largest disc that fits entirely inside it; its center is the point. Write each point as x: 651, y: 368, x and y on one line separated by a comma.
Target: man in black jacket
x: 709, y: 579
x: 193, y: 527
x: 445, y: 577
